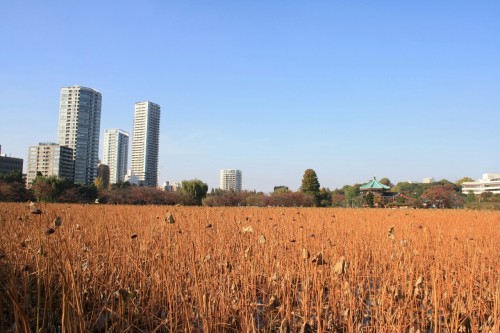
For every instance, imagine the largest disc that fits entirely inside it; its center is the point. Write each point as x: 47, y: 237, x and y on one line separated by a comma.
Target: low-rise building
x: 171, y: 187
x: 489, y: 183
x: 131, y: 178
x: 9, y: 164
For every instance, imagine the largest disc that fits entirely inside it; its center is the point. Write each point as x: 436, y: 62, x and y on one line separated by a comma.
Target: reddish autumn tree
x: 443, y: 196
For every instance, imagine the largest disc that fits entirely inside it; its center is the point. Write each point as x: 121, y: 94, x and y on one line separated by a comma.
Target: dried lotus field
x: 101, y: 268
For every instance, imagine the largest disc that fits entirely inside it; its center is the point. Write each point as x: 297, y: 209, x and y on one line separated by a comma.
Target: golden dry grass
x: 126, y: 268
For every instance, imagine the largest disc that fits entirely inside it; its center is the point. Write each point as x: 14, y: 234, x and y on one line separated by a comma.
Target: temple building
x: 374, y: 186
x: 382, y: 196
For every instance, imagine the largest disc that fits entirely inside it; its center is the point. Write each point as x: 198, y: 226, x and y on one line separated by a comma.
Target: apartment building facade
x: 145, y: 143
x: 78, y: 129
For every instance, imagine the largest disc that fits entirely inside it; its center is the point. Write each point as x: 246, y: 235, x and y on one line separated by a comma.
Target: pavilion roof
x: 374, y: 184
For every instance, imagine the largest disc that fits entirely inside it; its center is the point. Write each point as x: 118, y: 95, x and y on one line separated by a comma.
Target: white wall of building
x: 145, y: 143
x: 490, y: 182
x: 116, y: 154
x: 231, y: 179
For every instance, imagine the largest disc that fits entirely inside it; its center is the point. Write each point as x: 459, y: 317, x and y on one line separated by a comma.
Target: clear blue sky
x: 351, y: 89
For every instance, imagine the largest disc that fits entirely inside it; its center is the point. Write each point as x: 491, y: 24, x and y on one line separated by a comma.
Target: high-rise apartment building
x: 116, y: 154
x: 145, y: 143
x: 231, y: 180
x: 79, y: 125
x: 50, y: 159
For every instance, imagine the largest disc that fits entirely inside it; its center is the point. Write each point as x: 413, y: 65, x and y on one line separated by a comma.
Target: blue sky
x: 351, y: 89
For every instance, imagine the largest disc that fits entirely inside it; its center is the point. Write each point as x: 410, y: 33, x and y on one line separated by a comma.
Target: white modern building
x: 131, y: 178
x: 428, y: 180
x: 231, y: 180
x: 79, y: 125
x: 489, y: 183
x: 116, y: 154
x: 50, y: 159
x: 145, y: 143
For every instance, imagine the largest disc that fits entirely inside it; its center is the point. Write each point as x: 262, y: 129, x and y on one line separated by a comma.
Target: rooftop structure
x: 374, y: 185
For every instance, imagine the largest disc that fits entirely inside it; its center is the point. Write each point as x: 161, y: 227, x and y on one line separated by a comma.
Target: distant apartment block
x: 230, y: 180
x: 79, y: 125
x: 171, y: 187
x: 116, y: 154
x: 9, y: 164
x: 103, y: 173
x: 428, y: 180
x: 281, y: 188
x: 145, y: 143
x: 131, y: 178
x: 50, y: 159
x: 489, y: 183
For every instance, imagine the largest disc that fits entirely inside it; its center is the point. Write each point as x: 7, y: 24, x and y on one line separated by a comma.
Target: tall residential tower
x: 145, y: 143
x: 230, y: 180
x: 116, y: 154
x: 79, y: 125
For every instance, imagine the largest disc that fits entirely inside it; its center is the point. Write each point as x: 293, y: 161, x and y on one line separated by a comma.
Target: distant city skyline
x: 352, y: 90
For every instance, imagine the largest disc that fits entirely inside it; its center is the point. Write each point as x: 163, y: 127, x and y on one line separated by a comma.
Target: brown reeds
x: 125, y: 268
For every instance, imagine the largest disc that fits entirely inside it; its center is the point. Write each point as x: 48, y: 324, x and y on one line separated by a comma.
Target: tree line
x: 440, y: 194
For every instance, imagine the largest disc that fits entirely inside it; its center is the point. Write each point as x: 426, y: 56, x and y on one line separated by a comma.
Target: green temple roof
x: 374, y: 184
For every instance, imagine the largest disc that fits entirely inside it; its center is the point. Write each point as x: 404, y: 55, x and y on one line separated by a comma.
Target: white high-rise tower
x: 116, y: 154
x: 231, y: 180
x: 79, y: 125
x: 145, y: 143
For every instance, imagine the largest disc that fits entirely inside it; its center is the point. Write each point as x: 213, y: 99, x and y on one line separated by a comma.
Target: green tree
x: 12, y: 187
x: 471, y: 197
x: 369, y: 199
x: 281, y: 189
x: 196, y: 189
x: 310, y: 185
x: 412, y: 190
x: 99, y: 183
x: 463, y: 180
x: 386, y: 182
x: 350, y: 194
x: 11, y: 177
x: 444, y: 196
x: 325, y: 197
x: 485, y: 196
x: 48, y: 188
